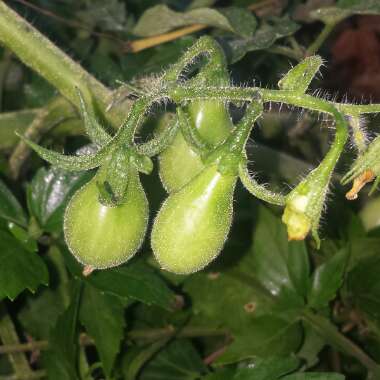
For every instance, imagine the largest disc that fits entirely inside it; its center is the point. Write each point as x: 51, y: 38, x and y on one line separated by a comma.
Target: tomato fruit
x: 193, y: 223
x: 100, y: 236
x: 179, y: 163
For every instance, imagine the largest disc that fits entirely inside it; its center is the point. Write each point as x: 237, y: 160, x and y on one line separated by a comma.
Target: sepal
x: 299, y: 77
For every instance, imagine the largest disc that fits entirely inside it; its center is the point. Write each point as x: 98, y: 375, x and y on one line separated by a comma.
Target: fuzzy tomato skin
x: 100, y: 236
x: 193, y: 223
x: 179, y: 163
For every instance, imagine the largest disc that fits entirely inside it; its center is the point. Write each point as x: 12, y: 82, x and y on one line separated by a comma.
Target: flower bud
x: 304, y: 205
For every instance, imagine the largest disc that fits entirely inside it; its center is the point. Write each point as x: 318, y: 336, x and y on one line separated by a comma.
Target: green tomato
x: 193, y: 223
x: 100, y: 236
x: 179, y: 163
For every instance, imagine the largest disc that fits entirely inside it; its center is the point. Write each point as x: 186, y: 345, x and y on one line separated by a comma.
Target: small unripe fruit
x: 193, y: 223
x: 179, y: 163
x: 100, y: 236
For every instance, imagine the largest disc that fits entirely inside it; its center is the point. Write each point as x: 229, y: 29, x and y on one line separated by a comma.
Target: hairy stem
x: 237, y: 94
x: 39, y: 53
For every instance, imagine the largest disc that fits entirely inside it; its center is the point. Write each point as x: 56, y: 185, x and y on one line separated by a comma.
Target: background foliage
x: 267, y: 309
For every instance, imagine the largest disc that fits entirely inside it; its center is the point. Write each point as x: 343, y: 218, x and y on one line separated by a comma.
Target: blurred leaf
x: 150, y: 61
x: 327, y: 279
x: 262, y: 369
x: 314, y: 376
x: 10, y: 122
x: 312, y: 345
x: 22, y: 235
x: 361, y: 248
x: 269, y: 336
x: 38, y: 91
x: 19, y: 269
x: 368, y: 6
x: 103, y: 317
x: 161, y: 19
x: 49, y: 192
x: 48, y: 303
x: 61, y: 358
x: 264, y: 37
x: 223, y: 374
x: 363, y: 283
x: 179, y: 360
x: 110, y: 15
x: 344, y: 9
x: 134, y: 280
x: 10, y: 208
x: 137, y: 357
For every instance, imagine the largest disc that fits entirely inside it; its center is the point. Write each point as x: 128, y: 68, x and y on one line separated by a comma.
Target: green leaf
x: 110, y: 15
x: 364, y: 286
x: 268, y: 336
x: 177, y: 361
x: 344, y: 9
x: 48, y: 194
x: 312, y: 345
x: 47, y: 303
x: 50, y: 302
x: 299, y: 77
x: 19, y: 269
x: 161, y: 19
x: 368, y: 7
x: 23, y: 236
x: 14, y: 121
x: 276, y: 263
x: 103, y: 317
x: 267, y: 369
x: 327, y: 279
x: 314, y: 376
x: 298, y: 265
x: 264, y: 37
x: 10, y: 208
x: 135, y: 280
x: 61, y: 358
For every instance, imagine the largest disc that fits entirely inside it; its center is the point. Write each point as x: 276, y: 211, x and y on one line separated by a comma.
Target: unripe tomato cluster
x: 192, y: 224
x: 201, y: 156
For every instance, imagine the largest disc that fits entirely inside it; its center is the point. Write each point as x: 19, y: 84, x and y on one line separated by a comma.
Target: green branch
x: 40, y: 54
x: 8, y: 336
x: 330, y: 333
x: 321, y: 38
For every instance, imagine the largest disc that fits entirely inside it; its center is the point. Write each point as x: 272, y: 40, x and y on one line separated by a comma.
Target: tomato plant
x: 176, y: 205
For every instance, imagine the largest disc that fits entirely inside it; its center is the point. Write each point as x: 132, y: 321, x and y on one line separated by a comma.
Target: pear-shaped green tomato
x: 100, y: 236
x: 193, y: 223
x: 179, y: 163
